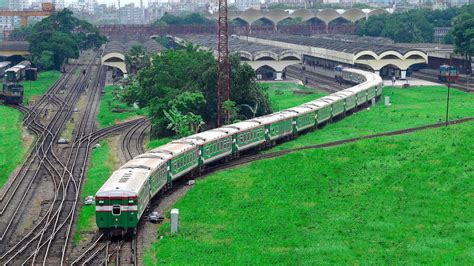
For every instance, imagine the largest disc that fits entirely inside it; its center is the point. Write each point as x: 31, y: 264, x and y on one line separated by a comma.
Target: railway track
x: 429, y: 77
x: 132, y: 141
x: 46, y: 240
x: 314, y: 78
x: 269, y: 155
x: 104, y: 251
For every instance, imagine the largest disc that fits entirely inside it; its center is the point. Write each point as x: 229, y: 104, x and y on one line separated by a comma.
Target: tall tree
x: 463, y: 32
x: 185, y: 80
x: 64, y: 36
x: 137, y: 58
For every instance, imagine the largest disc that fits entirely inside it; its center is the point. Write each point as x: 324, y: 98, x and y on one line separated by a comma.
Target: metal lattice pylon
x: 223, y: 74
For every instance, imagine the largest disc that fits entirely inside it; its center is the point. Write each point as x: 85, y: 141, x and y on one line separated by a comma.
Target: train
x: 4, y: 65
x: 12, y: 93
x: 447, y: 72
x: 17, y: 72
x: 123, y: 198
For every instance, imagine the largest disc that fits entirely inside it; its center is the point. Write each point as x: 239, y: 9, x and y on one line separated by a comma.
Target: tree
x: 190, y: 19
x: 463, y: 32
x: 230, y: 109
x: 45, y: 60
x: 62, y: 35
x: 137, y: 58
x: 183, y: 124
x: 185, y: 80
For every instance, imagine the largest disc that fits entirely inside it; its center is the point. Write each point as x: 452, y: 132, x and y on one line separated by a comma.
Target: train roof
x: 143, y: 162
x: 244, y: 125
x: 4, y: 64
x: 124, y: 183
x: 302, y: 109
x: 174, y: 148
x: 331, y: 98
x: 210, y: 135
x: 13, y: 68
x: 268, y: 119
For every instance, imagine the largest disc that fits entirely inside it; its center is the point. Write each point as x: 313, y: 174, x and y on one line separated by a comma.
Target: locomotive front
x: 119, y: 203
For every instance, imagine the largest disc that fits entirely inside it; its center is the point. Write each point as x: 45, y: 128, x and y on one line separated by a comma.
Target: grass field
x: 402, y: 199
x: 12, y: 149
x: 284, y: 95
x: 97, y: 174
x: 39, y: 87
x: 410, y: 108
x: 110, y: 105
x: 395, y: 200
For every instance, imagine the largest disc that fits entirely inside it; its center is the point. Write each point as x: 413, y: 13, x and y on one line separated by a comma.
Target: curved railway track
x: 314, y: 78
x: 269, y: 155
x: 432, y: 78
x: 47, y: 240
x: 132, y: 141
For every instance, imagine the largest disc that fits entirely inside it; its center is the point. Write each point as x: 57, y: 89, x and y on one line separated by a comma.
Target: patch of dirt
x: 147, y: 231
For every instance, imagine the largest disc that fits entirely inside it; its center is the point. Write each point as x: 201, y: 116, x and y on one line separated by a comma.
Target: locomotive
x: 448, y: 73
x: 12, y: 93
x: 123, y: 199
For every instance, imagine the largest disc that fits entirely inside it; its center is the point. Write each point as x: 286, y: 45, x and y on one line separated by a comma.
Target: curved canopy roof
x: 245, y: 49
x: 340, y: 45
x: 326, y: 15
x: 121, y: 48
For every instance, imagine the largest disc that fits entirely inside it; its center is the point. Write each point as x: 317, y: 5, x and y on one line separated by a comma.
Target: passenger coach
x: 123, y: 199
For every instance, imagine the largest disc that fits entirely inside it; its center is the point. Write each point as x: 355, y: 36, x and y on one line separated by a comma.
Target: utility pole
x: 449, y: 88
x: 119, y: 12
x: 223, y: 74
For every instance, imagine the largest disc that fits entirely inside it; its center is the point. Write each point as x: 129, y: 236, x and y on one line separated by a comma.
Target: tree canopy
x: 415, y: 25
x: 59, y: 37
x: 183, y: 82
x: 190, y: 19
x: 137, y: 58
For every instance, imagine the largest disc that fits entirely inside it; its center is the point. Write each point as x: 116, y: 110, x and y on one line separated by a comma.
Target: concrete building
x: 247, y: 4
x: 129, y: 14
x: 17, y: 5
x: 83, y: 6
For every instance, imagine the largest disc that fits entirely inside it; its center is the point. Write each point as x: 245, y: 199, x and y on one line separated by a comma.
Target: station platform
x: 411, y: 82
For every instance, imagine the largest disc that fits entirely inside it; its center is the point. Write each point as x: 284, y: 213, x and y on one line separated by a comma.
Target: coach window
x: 116, y: 210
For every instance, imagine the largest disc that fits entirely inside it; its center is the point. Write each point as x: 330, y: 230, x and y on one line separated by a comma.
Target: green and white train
x: 123, y: 199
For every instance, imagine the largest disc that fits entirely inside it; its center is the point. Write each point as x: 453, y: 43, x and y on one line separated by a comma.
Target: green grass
x: 39, y: 87
x: 157, y: 142
x: 109, y: 104
x: 395, y: 200
x: 12, y: 149
x: 284, y: 95
x: 381, y: 201
x: 410, y: 108
x: 103, y: 163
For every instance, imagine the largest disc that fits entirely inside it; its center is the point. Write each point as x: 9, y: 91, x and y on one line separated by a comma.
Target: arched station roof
x: 357, y: 48
x: 11, y: 48
x: 247, y: 50
x: 114, y: 52
x: 326, y: 15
